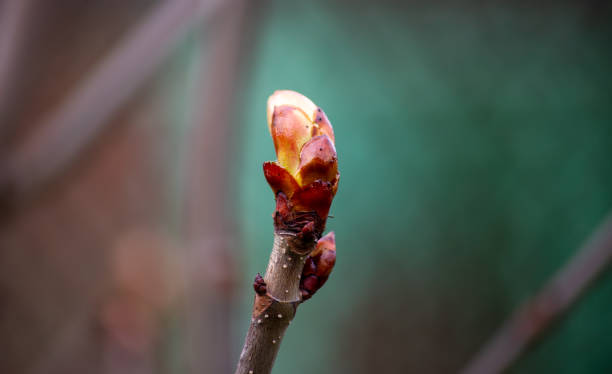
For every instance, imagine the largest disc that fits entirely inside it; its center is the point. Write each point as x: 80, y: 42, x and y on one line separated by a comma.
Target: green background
x: 474, y: 145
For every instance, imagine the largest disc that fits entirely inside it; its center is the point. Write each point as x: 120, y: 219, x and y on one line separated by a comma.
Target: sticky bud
x: 318, y: 266
x: 306, y: 170
x: 259, y: 285
x: 309, y: 267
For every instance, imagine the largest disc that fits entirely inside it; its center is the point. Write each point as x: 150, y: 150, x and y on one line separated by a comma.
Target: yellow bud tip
x: 290, y: 130
x: 293, y: 99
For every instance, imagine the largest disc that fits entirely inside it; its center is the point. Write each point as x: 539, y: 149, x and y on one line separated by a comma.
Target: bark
x: 275, y: 303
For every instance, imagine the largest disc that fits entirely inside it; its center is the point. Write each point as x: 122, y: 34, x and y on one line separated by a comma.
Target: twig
x: 74, y: 125
x: 210, y: 293
x: 304, y: 180
x: 536, y: 314
x: 14, y: 20
x: 274, y: 310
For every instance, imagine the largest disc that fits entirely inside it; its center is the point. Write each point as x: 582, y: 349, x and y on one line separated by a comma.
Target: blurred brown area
x: 97, y: 264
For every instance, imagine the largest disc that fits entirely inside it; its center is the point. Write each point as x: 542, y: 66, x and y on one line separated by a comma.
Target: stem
x: 273, y: 311
x: 538, y: 313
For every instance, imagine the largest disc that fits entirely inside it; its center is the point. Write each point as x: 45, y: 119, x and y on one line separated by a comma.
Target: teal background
x: 474, y: 146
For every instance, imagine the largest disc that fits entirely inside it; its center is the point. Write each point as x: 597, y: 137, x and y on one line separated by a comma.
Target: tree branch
x: 305, y: 181
x: 72, y: 126
x: 276, y: 300
x: 538, y: 313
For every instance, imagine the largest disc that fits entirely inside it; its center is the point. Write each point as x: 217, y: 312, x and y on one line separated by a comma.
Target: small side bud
x: 318, y: 266
x: 259, y: 285
x: 308, y: 286
x: 310, y: 268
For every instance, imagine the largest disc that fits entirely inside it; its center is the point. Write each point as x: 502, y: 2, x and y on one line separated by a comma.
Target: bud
x: 259, y: 285
x: 318, y: 266
x: 306, y: 170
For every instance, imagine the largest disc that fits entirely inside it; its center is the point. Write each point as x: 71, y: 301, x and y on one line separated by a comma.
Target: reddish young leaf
x: 279, y: 179
x: 318, y: 161
x: 322, y: 125
x: 316, y: 197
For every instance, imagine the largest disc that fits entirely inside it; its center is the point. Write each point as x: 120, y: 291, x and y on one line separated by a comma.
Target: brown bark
x: 275, y: 304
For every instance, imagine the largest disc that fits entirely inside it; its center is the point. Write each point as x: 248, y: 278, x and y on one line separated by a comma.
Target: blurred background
x: 474, y: 142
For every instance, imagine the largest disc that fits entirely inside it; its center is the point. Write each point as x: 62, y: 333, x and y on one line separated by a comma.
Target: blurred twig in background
x: 13, y: 24
x: 110, y: 216
x: 72, y: 126
x: 208, y: 223
x: 535, y: 315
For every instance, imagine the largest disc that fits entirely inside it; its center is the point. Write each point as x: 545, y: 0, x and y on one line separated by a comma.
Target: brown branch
x: 299, y: 220
x: 278, y: 294
x: 536, y: 314
x: 273, y: 310
x: 15, y: 18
